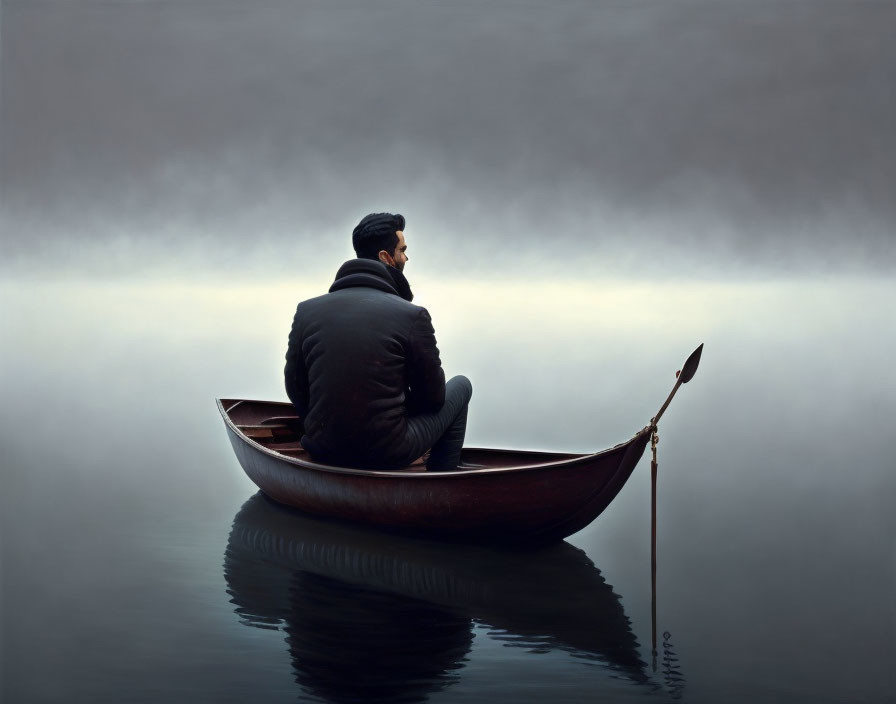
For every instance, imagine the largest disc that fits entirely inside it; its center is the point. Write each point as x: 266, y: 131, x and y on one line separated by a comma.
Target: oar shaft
x: 656, y: 418
x: 653, y: 472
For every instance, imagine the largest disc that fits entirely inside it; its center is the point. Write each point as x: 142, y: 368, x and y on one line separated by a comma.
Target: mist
x: 248, y: 139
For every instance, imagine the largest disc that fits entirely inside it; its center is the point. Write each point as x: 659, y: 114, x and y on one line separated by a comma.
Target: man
x: 363, y: 369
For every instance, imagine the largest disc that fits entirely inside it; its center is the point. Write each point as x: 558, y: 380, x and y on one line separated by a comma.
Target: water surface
x: 138, y: 564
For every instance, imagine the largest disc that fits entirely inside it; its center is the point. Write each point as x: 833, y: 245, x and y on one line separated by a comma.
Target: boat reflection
x: 374, y: 617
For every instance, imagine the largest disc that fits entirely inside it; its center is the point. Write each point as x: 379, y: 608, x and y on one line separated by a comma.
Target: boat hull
x: 516, y: 497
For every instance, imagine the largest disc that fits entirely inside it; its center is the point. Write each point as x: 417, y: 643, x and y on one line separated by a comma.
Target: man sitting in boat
x: 363, y: 369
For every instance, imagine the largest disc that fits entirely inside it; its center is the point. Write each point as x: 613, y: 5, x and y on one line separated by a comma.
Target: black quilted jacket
x: 361, y: 359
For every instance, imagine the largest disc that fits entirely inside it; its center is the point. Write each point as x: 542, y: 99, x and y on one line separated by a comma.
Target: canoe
x: 411, y: 605
x: 513, y: 497
x: 510, y: 496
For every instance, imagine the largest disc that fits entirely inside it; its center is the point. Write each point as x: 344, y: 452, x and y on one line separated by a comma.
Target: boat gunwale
x: 402, y: 473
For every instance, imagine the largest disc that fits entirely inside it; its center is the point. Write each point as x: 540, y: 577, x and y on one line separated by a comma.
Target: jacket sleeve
x: 295, y: 373
x: 425, y: 376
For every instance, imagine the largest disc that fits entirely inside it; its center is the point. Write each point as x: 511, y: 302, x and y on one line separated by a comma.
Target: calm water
x: 139, y: 564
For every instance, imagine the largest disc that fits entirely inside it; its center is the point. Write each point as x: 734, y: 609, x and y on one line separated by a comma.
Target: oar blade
x: 690, y: 366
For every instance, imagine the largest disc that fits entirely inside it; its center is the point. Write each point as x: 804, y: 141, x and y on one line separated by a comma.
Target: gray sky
x: 758, y: 135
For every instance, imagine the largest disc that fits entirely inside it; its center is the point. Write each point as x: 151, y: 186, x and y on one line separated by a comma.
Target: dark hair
x: 375, y: 233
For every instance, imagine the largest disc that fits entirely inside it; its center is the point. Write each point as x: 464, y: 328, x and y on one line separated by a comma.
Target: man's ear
x: 386, y: 258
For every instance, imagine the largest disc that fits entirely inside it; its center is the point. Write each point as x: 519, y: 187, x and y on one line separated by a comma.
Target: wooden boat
x: 510, y: 497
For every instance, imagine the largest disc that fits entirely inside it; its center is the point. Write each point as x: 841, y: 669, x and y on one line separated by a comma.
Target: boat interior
x: 275, y: 426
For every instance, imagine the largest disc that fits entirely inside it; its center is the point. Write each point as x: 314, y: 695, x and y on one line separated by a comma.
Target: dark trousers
x: 444, y: 430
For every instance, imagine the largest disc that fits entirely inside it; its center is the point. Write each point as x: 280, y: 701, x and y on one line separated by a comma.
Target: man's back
x: 361, y: 359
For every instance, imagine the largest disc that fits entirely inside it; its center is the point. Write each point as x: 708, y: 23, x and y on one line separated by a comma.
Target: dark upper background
x: 157, y: 135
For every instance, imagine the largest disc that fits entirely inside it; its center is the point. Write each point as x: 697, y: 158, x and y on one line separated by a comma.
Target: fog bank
x: 733, y: 137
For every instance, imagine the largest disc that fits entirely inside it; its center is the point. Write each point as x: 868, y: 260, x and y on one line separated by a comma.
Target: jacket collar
x: 372, y: 274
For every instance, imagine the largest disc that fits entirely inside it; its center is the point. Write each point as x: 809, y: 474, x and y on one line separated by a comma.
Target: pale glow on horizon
x: 555, y: 365
x: 554, y: 307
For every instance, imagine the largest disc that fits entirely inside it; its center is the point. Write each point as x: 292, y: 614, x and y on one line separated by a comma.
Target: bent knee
x: 461, y: 382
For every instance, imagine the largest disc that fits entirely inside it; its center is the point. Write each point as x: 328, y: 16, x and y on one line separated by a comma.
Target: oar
x: 685, y: 374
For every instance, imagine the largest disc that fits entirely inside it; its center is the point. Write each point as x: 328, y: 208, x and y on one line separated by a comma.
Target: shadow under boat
x: 378, y: 617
